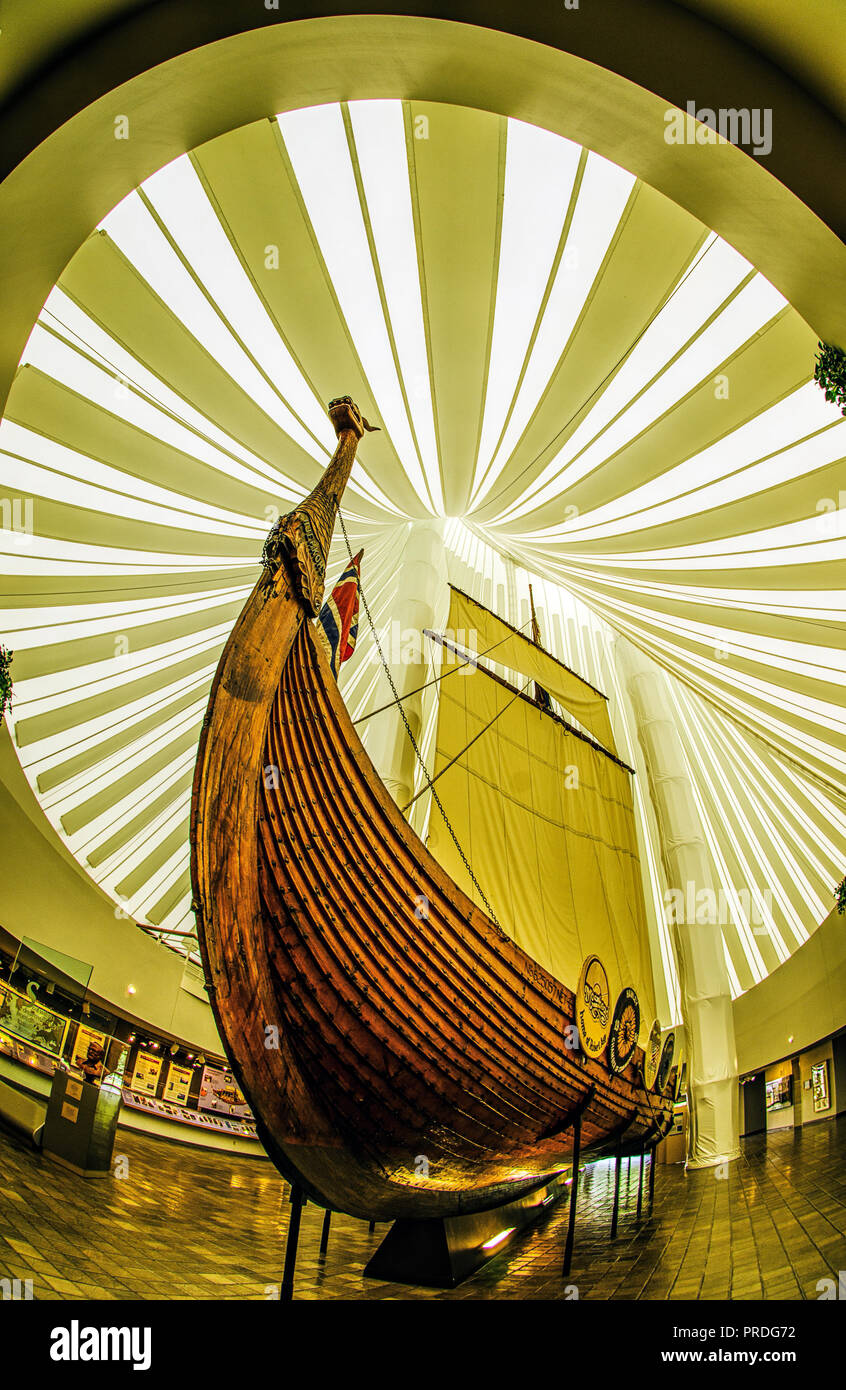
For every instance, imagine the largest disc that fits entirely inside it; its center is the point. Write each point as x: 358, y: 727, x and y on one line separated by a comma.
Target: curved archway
x: 185, y: 78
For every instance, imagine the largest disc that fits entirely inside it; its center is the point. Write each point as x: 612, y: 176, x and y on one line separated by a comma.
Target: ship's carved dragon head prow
x: 303, y: 537
x: 345, y: 415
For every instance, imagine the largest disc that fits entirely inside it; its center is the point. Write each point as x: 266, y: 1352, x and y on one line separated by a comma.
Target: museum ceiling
x: 567, y: 367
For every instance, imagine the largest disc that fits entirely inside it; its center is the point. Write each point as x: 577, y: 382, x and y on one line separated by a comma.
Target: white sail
x: 509, y: 647
x: 546, y: 820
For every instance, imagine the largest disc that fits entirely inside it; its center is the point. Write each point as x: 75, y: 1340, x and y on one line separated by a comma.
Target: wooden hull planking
x: 403, y: 1057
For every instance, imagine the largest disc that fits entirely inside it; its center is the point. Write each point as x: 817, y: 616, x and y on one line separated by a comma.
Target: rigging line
x: 473, y: 740
x: 99, y: 357
x: 103, y: 361
x: 629, y: 350
x: 469, y: 661
x: 413, y: 741
x: 165, y: 931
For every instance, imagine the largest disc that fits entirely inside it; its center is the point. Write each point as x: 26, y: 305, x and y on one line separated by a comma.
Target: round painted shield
x: 593, y: 1007
x: 625, y: 1026
x: 652, y: 1056
x: 681, y: 1082
x: 666, y: 1062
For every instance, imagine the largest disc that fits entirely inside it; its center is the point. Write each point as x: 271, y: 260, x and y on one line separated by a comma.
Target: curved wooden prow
x: 229, y: 773
x: 304, y: 536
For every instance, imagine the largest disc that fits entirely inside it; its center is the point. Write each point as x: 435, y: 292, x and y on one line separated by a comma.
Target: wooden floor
x: 183, y: 1224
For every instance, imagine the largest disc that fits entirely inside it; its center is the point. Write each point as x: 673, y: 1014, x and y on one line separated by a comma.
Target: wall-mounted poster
x: 22, y: 1016
x: 819, y: 1077
x: 85, y: 1038
x: 177, y: 1084
x: 145, y: 1074
x: 218, y: 1091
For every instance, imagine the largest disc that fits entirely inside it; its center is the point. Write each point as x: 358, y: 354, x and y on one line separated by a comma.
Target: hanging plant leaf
x: 5, y: 679
x: 830, y: 374
x: 840, y: 895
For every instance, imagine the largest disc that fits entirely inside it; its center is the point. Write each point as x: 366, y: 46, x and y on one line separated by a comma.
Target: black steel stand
x: 652, y: 1175
x: 286, y: 1293
x: 574, y: 1195
x: 615, y: 1213
x: 640, y: 1182
x: 324, y: 1234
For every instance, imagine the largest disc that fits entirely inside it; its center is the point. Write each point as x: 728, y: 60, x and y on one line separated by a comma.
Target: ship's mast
x: 541, y: 695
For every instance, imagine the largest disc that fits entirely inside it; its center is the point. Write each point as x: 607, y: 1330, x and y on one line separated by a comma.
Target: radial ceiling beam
x: 603, y: 75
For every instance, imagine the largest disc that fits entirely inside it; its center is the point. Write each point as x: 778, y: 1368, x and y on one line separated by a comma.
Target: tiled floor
x: 181, y: 1224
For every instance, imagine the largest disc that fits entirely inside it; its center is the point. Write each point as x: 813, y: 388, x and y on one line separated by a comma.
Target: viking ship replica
x: 406, y: 1053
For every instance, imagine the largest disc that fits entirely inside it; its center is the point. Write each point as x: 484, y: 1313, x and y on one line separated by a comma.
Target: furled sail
x: 519, y: 653
x: 546, y: 820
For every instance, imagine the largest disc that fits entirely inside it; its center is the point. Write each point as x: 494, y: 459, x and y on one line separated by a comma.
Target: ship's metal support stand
x: 286, y: 1293
x: 640, y: 1180
x: 298, y: 1201
x: 615, y: 1211
x: 324, y: 1234
x: 435, y: 1254
x: 574, y: 1196
x: 645, y: 1150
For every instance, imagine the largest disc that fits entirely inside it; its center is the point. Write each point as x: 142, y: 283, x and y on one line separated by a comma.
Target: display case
x: 153, y: 1075
x: 780, y: 1093
x: 243, y: 1126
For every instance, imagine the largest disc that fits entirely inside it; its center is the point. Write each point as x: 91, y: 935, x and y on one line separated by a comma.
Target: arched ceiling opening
x: 567, y: 366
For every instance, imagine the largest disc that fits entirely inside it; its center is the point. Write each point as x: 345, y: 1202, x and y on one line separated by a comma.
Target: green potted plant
x: 5, y: 679
x: 830, y: 374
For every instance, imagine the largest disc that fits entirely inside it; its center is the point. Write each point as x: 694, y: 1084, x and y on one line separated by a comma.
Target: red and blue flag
x: 337, y: 621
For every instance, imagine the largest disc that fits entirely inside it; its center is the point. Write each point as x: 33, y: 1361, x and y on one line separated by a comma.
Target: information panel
x: 218, y: 1091
x: 177, y: 1084
x: 819, y: 1078
x: 35, y: 1023
x: 146, y: 1073
x: 84, y: 1038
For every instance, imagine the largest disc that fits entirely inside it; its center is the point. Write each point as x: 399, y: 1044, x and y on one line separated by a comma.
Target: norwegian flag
x: 337, y: 621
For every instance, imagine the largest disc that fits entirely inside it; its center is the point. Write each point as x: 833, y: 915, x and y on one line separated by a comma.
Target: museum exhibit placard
x: 177, y: 1084
x: 146, y: 1073
x: 819, y: 1082
x: 218, y: 1091
x: 84, y: 1038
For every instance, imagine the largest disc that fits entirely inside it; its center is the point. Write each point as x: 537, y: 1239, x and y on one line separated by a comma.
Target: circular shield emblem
x: 666, y: 1062
x: 681, y: 1082
x: 593, y: 1007
x: 625, y: 1026
x: 652, y: 1056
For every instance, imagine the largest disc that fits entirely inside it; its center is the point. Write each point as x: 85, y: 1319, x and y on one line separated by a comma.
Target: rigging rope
x: 468, y: 661
x: 476, y: 737
x: 413, y: 741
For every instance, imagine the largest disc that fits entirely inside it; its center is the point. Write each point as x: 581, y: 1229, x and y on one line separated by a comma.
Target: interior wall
x: 44, y: 895
x: 782, y: 1117
x: 798, y: 1004
x: 804, y: 1099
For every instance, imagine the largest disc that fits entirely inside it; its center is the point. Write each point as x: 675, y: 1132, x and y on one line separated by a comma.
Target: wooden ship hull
x: 402, y: 1055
